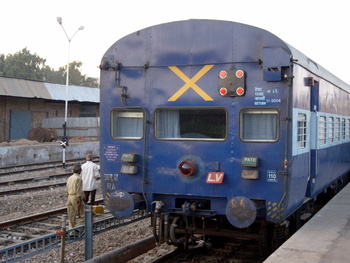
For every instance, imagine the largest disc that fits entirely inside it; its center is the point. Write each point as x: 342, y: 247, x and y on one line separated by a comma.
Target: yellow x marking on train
x: 190, y: 83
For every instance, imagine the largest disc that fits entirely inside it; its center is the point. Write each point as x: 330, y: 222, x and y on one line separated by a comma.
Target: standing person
x: 75, y: 205
x: 90, y: 173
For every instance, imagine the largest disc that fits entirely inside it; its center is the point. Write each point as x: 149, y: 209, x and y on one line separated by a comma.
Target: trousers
x: 87, y: 194
x: 75, y: 215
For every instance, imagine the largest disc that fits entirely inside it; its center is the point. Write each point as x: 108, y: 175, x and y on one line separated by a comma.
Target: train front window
x: 127, y: 124
x: 191, y: 124
x: 259, y: 125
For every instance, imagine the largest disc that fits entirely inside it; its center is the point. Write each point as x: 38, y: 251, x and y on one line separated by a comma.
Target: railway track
x: 14, y: 169
x: 24, y: 237
x: 34, y: 181
x: 207, y: 255
x: 37, y: 217
x: 28, y: 188
x: 45, y: 219
x: 145, y: 250
x: 31, y: 218
x: 30, y: 235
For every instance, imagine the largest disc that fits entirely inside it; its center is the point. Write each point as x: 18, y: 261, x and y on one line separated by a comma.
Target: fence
x: 88, y: 127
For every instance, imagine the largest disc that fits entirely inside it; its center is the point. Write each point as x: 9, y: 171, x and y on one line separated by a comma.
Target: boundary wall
x: 39, y: 153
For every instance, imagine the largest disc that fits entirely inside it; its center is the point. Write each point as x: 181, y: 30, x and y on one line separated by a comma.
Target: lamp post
x: 64, y: 142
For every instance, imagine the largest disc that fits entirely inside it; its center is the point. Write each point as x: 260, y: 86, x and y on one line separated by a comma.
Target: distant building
x: 25, y: 103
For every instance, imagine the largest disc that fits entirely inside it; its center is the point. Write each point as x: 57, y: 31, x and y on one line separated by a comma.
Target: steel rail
x: 43, y: 166
x: 35, y: 179
x: 126, y: 253
x: 32, y: 188
x: 27, y: 219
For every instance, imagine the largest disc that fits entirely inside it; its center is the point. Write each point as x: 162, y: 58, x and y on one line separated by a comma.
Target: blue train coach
x: 218, y: 128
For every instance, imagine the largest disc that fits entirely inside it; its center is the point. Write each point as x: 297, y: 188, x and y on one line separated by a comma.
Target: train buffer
x: 325, y: 238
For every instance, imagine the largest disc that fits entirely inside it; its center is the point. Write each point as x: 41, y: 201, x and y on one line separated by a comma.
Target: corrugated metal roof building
x: 42, y: 90
x: 24, y: 103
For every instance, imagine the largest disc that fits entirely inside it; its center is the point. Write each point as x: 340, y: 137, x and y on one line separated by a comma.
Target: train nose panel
x: 120, y: 203
x: 241, y: 211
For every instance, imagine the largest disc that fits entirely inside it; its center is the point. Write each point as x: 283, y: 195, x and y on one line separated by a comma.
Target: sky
x: 317, y: 28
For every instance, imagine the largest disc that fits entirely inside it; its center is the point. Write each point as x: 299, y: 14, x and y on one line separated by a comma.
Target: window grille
x: 337, y: 129
x: 302, y: 129
x: 322, y: 130
x: 331, y: 129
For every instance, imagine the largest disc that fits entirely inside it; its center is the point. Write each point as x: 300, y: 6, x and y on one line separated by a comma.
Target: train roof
x: 307, y: 63
x: 206, y: 27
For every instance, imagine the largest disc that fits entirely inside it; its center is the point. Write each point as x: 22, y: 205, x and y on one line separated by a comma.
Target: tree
x: 25, y: 65
x: 53, y: 76
x: 2, y: 64
x: 91, y: 82
x: 75, y: 76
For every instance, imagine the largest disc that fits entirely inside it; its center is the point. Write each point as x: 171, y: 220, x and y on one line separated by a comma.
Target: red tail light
x: 187, y: 168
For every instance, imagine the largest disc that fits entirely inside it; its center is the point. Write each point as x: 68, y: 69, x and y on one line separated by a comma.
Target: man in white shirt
x: 89, y: 173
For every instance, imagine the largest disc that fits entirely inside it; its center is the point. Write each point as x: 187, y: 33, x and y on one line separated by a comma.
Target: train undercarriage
x: 192, y: 231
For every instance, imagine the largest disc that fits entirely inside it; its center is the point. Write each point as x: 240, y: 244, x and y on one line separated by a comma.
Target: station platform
x: 325, y: 238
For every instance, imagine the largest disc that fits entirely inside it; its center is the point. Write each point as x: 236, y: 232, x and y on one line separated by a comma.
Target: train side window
x: 343, y: 129
x: 191, y: 124
x: 259, y: 125
x: 348, y: 129
x: 302, y: 131
x: 337, y: 129
x: 127, y: 123
x: 322, y: 130
x: 331, y: 129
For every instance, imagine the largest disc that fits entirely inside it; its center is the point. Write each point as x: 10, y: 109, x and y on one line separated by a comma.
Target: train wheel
x: 335, y: 187
x: 271, y: 237
x: 263, y: 240
x: 280, y: 234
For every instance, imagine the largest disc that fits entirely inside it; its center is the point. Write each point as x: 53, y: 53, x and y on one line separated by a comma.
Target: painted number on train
x: 266, y: 96
x: 272, y: 176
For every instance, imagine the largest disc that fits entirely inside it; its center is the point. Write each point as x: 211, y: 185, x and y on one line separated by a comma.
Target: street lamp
x: 64, y: 142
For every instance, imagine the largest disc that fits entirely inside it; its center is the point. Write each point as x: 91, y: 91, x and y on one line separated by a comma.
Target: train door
x: 314, y: 136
